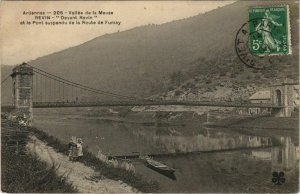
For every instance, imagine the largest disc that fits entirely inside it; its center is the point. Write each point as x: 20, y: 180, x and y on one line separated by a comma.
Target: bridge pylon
x: 22, y: 77
x: 285, y: 94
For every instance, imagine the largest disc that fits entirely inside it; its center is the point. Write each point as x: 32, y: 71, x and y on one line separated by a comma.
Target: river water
x: 230, y: 161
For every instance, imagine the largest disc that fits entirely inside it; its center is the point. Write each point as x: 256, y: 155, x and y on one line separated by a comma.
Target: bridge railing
x: 149, y: 103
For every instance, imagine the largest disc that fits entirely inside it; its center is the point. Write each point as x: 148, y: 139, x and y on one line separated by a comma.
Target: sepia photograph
x: 149, y: 96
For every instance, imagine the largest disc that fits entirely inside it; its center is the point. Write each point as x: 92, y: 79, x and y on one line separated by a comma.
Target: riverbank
x: 46, y: 152
x: 122, y: 138
x: 183, y: 119
x: 135, y: 181
x: 84, y: 178
x: 22, y: 171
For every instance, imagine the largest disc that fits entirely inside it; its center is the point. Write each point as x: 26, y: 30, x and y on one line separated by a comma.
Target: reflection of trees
x: 220, y: 141
x: 203, y: 143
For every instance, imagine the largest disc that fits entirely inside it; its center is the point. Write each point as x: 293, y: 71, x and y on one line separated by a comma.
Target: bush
x: 208, y: 81
x: 28, y: 174
x: 268, y: 75
x: 223, y: 73
x: 233, y: 75
x: 178, y: 92
x: 257, y: 77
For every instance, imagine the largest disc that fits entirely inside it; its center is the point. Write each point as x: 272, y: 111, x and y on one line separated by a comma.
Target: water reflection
x: 174, y: 140
x: 222, y: 166
x: 285, y: 156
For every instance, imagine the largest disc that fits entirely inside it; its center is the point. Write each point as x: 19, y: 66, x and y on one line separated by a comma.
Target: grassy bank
x: 283, y: 123
x: 23, y: 172
x: 128, y: 177
x: 259, y: 121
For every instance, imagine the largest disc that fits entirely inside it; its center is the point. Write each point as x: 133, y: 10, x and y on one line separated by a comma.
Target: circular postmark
x: 252, y: 53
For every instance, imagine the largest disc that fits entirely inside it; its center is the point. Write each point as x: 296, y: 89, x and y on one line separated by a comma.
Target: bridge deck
x: 149, y: 103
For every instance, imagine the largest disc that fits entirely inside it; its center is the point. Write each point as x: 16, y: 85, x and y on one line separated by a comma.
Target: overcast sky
x: 21, y: 43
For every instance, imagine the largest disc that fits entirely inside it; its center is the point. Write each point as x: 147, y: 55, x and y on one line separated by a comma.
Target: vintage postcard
x: 149, y: 96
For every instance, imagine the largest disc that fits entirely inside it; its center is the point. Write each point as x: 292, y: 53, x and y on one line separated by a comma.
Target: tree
x: 177, y: 78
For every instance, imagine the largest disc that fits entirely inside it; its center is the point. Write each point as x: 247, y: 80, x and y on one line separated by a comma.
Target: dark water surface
x: 231, y: 161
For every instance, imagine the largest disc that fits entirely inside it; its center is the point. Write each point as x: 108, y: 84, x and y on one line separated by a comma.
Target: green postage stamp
x: 270, y: 30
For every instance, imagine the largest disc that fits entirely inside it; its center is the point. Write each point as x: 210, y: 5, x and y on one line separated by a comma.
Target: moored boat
x: 157, y: 165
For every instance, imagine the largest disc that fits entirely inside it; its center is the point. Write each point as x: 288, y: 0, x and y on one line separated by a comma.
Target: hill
x: 155, y: 59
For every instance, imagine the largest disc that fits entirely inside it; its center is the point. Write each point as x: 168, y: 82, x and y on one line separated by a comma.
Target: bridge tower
x: 284, y: 94
x: 22, y: 77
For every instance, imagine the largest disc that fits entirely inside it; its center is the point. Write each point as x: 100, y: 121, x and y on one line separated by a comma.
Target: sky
x: 21, y: 43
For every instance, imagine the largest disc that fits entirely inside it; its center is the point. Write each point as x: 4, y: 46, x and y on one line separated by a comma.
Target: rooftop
x: 260, y: 95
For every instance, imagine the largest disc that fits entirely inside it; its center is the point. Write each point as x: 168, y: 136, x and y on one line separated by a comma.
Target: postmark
x: 264, y: 37
x: 243, y: 51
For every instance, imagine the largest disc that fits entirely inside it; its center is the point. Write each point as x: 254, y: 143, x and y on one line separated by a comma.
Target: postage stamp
x: 270, y: 30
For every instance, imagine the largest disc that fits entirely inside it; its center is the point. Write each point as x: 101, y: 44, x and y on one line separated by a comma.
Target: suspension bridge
x: 35, y: 88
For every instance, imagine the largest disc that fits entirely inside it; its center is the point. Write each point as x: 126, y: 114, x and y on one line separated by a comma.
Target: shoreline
x: 126, y: 179
x: 85, y: 179
x: 22, y: 171
x: 53, y: 153
x: 262, y: 122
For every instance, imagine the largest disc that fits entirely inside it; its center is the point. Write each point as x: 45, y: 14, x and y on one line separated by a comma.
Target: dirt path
x: 77, y: 173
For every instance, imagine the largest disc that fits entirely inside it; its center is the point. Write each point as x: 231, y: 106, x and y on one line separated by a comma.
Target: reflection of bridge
x: 179, y: 154
x: 148, y: 103
x: 35, y: 88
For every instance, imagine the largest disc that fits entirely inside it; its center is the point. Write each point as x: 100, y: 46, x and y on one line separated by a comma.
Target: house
x: 262, y: 96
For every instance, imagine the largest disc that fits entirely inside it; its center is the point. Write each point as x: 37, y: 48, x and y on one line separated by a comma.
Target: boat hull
x: 168, y: 173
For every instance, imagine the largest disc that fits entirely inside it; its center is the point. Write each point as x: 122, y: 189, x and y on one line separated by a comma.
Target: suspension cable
x: 5, y: 79
x: 81, y: 86
x: 77, y: 86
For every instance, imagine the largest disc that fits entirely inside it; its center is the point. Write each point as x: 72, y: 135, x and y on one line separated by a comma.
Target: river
x: 230, y: 161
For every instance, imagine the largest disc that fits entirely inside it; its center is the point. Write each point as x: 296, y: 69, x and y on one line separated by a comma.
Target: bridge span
x: 150, y: 103
x: 35, y: 88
